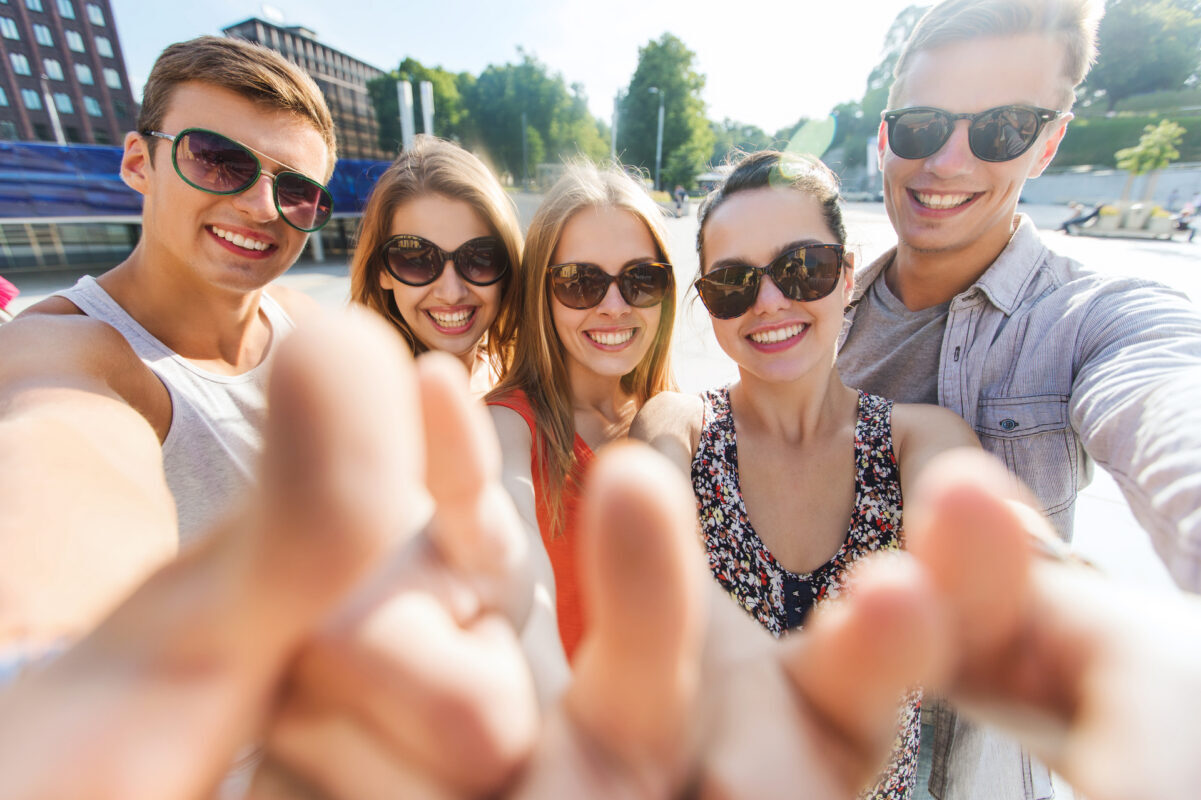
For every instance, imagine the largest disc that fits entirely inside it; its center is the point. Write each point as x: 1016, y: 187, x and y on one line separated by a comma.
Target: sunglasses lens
x: 413, y: 261
x: 482, y: 261
x: 807, y: 273
x: 729, y: 292
x: 918, y: 134
x: 305, y: 204
x: 645, y: 285
x: 1003, y: 133
x: 213, y: 163
x: 579, y: 285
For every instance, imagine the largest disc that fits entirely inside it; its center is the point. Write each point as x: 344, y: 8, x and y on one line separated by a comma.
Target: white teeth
x: 611, y: 338
x: 455, y: 319
x: 941, y: 200
x: 777, y: 334
x: 239, y: 240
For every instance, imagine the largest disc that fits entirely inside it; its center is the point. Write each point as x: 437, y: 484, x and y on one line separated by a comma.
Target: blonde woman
x: 593, y: 345
x: 438, y: 251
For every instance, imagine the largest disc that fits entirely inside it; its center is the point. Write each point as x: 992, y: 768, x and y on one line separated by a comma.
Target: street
x: 1106, y: 532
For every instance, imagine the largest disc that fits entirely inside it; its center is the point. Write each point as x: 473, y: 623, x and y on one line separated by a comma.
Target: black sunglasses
x: 415, y: 261
x: 805, y: 273
x: 216, y: 164
x: 584, y: 285
x: 998, y: 134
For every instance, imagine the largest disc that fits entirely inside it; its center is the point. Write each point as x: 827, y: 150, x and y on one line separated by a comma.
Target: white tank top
x: 212, y: 447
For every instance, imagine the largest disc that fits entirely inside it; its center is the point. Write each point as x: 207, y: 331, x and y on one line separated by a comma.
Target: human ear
x: 1050, y: 145
x: 135, y: 162
x: 881, y: 141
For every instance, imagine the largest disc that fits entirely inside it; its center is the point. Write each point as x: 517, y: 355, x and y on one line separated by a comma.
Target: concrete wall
x: 1090, y: 185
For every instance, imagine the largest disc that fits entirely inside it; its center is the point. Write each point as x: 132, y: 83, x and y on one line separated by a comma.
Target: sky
x: 767, y: 62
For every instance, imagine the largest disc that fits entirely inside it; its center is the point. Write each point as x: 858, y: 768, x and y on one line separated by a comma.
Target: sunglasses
x: 217, y: 164
x: 998, y: 134
x: 805, y: 273
x: 419, y: 262
x: 585, y: 285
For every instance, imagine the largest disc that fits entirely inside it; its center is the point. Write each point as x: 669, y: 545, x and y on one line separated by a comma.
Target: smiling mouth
x: 611, y: 338
x: 777, y: 334
x: 238, y: 240
x: 453, y: 320
x: 941, y: 202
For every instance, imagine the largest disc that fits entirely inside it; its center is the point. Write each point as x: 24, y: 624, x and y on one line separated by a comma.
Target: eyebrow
x: 735, y: 261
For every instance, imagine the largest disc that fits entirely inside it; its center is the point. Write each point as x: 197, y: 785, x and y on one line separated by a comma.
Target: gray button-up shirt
x: 1056, y: 367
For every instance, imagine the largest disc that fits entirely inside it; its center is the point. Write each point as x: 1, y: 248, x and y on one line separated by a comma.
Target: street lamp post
x: 659, y: 137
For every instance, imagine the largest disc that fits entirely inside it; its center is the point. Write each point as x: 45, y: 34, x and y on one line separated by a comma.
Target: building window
x: 112, y: 78
x: 65, y: 9
x: 3, y: 98
x: 8, y: 28
x: 8, y: 129
x: 53, y: 69
x: 104, y: 47
x: 62, y: 102
x: 74, y: 41
x: 20, y: 64
x: 101, y: 136
x: 33, y: 5
x: 31, y: 99
x: 96, y: 14
x: 83, y: 74
x: 92, y: 106
x: 42, y: 132
x: 42, y: 34
x: 72, y: 134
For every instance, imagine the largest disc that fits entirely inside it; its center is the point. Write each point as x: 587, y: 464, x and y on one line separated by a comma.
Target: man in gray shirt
x: 1054, y: 366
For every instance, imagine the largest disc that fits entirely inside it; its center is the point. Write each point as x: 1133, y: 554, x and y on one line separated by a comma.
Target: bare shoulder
x: 511, y: 430
x: 671, y: 423
x: 296, y: 304
x: 49, y: 348
x: 920, y: 420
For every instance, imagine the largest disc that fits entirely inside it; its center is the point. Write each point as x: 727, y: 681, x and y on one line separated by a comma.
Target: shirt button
x: 1009, y: 424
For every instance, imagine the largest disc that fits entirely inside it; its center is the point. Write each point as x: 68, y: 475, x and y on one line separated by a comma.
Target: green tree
x: 1156, y: 148
x: 1145, y: 46
x: 451, y: 119
x: 730, y: 136
x: 666, y: 65
x: 556, y: 119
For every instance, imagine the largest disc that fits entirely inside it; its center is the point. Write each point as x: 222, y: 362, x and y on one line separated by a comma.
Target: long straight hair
x: 539, y: 367
x: 436, y: 166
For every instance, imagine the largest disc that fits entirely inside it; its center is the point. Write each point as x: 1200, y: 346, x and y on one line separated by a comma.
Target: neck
x: 924, y: 278
x: 220, y: 329
x: 601, y: 394
x: 792, y: 411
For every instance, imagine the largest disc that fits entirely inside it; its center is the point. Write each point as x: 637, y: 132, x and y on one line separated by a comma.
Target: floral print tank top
x: 779, y: 599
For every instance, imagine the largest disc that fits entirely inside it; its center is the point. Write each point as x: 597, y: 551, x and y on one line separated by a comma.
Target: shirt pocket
x: 1034, y: 437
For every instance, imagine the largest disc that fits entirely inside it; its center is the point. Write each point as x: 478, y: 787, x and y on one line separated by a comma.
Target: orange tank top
x: 561, y: 548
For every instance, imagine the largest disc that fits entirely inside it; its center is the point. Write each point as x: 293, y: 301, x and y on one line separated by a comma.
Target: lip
x: 783, y: 344
x: 611, y: 348
x: 938, y: 213
x: 245, y: 252
x: 455, y: 330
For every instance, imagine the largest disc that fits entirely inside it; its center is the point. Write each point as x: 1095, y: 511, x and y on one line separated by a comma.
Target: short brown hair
x: 258, y: 74
x: 436, y: 166
x: 1072, y: 22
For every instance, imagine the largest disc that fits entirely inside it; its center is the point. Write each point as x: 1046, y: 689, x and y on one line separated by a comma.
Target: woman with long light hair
x: 438, y: 251
x: 592, y: 347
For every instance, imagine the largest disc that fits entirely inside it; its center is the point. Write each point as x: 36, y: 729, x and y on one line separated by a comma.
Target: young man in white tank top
x: 134, y: 402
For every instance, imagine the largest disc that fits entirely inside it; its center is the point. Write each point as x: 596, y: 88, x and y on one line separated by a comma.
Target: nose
x: 449, y: 287
x: 770, y: 299
x: 258, y: 201
x: 613, y: 304
x: 955, y: 157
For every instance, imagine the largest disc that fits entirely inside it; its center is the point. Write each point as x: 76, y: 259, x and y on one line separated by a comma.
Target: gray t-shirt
x: 892, y: 351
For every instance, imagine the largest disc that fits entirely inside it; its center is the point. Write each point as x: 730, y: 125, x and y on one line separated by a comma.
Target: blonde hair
x: 258, y: 74
x: 436, y: 166
x: 539, y: 367
x: 1072, y: 22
